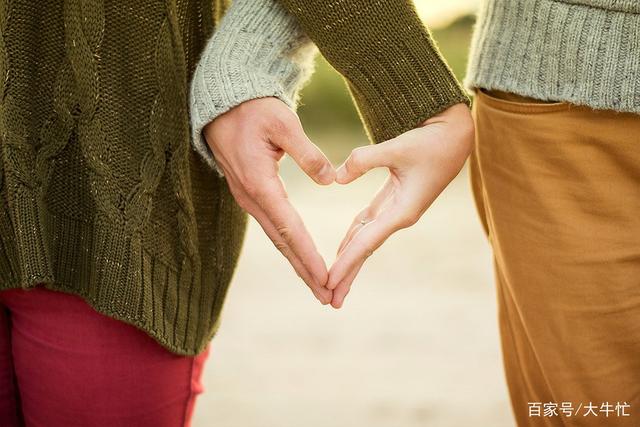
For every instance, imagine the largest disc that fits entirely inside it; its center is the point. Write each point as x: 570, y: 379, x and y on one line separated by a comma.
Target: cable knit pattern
x: 258, y: 51
x: 586, y: 52
x: 101, y: 194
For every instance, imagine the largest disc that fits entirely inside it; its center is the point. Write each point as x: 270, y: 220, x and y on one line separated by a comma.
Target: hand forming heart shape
x: 249, y: 141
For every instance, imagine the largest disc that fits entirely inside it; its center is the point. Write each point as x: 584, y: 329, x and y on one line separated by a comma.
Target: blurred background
x: 416, y: 343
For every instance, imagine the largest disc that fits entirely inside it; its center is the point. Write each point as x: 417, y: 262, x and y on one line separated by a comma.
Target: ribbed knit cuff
x: 394, y: 70
x: 257, y: 51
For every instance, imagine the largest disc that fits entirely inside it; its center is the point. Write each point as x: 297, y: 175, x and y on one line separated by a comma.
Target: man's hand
x: 421, y: 164
x: 248, y: 142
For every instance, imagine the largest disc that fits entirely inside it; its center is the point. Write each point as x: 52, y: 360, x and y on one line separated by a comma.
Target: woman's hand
x: 421, y: 164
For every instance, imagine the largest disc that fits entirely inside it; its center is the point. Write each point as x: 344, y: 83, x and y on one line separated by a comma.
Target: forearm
x: 258, y: 51
x: 393, y: 68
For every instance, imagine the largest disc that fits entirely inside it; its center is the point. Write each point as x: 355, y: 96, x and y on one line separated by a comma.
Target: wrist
x: 258, y: 51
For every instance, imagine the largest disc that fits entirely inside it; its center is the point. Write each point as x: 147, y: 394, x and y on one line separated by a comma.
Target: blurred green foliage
x: 327, y: 112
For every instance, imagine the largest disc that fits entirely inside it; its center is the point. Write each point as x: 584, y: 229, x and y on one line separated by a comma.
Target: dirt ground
x: 416, y: 343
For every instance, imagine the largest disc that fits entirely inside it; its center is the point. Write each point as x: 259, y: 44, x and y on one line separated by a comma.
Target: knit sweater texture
x: 259, y: 50
x: 391, y: 64
x: 262, y: 49
x: 102, y: 195
x: 586, y: 52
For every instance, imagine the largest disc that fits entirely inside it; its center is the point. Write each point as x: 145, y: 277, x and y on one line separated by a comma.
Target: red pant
x: 64, y: 364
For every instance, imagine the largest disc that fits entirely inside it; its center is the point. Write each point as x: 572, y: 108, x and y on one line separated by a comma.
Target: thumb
x: 295, y: 142
x: 363, y: 159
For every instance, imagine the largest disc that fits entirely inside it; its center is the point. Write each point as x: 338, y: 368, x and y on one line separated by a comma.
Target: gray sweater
x: 586, y: 52
x: 258, y: 51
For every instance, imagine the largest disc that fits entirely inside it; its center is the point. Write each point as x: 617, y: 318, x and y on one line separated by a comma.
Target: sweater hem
x: 114, y: 273
x: 114, y: 312
x: 558, y: 51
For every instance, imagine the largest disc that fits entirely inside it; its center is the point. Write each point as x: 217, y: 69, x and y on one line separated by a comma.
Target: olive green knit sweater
x: 101, y: 194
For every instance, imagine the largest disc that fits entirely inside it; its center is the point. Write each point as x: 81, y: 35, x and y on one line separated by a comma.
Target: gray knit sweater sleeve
x: 257, y: 51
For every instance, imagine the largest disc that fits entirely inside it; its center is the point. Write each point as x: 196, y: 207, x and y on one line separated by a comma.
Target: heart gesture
x: 421, y: 163
x: 249, y: 141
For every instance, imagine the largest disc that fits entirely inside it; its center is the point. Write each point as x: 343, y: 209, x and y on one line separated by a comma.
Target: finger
x: 320, y: 292
x: 362, y: 245
x: 344, y: 287
x: 360, y: 220
x: 363, y: 159
x: 369, y: 213
x: 323, y: 295
x: 295, y: 142
x: 291, y: 229
x: 365, y: 216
